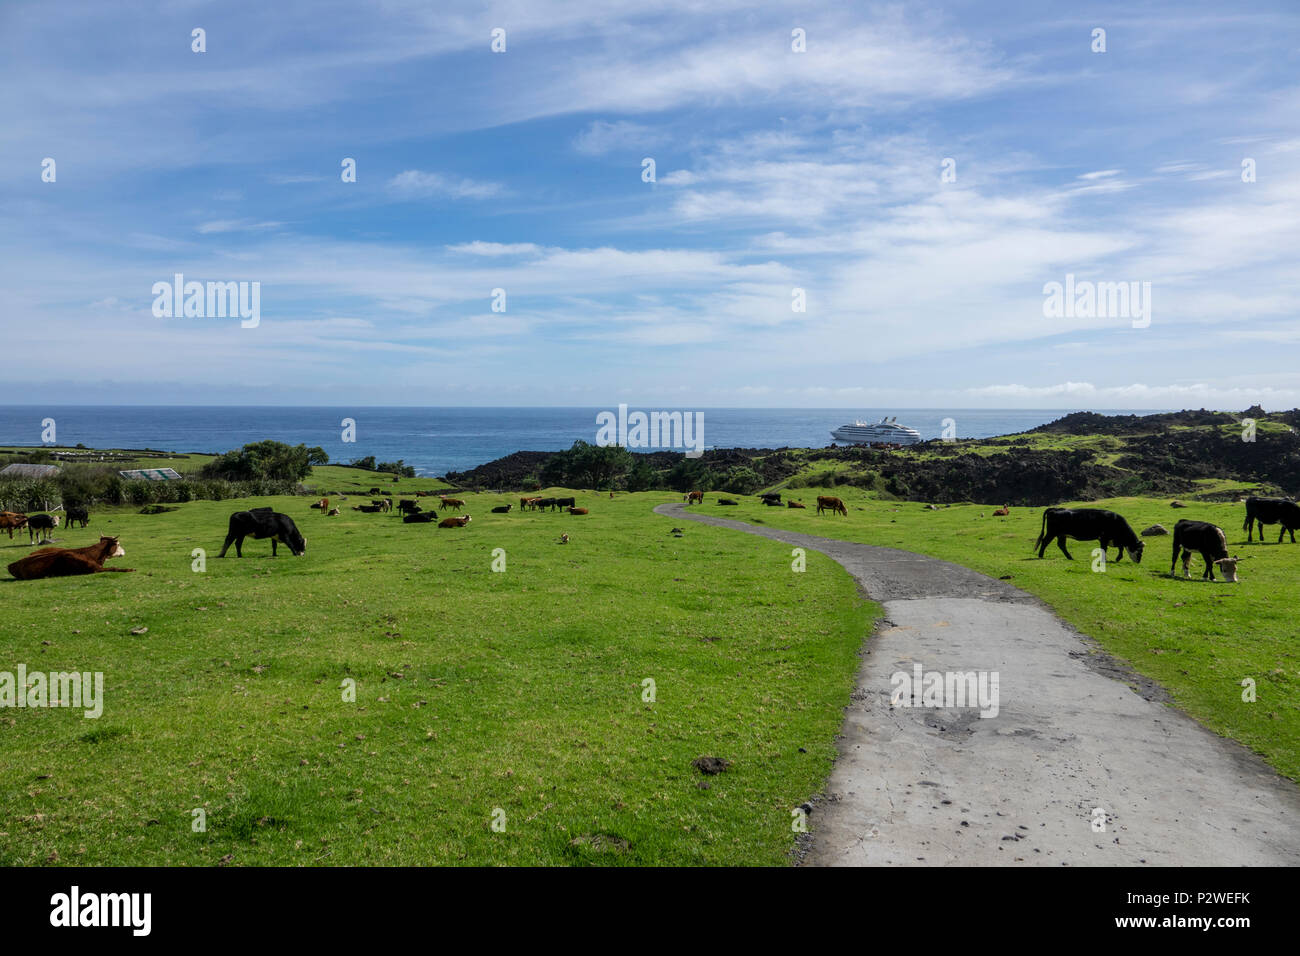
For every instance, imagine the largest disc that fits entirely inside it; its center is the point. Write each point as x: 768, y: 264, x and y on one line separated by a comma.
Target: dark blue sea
x: 438, y: 440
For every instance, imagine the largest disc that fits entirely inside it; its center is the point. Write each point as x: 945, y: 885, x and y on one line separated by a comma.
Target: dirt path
x: 1075, y: 731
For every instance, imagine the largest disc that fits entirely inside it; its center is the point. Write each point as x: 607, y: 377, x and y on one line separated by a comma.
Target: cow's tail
x: 1041, y: 531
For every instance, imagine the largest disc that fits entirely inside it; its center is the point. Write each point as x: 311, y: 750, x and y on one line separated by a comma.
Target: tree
x: 261, y: 460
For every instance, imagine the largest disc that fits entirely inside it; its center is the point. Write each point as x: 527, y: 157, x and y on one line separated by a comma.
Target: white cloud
x: 415, y: 184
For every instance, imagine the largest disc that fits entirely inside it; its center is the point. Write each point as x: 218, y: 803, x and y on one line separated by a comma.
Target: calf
x: 454, y: 522
x: 502, y: 509
x: 1088, y: 524
x: 76, y: 514
x: 794, y: 504
x: 577, y: 511
x: 1271, y: 511
x: 833, y: 505
x: 39, y: 526
x: 63, y: 562
x: 1209, y: 540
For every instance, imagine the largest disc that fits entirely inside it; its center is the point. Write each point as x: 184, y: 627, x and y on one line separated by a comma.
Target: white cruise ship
x: 885, y: 431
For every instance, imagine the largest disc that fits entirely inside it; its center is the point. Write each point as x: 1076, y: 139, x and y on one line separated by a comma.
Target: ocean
x: 437, y: 440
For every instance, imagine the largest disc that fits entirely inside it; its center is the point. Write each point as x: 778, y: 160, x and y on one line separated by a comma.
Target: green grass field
x: 476, y: 690
x: 1199, y: 640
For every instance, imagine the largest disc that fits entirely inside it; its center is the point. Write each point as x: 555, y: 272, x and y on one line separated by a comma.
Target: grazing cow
x: 418, y: 517
x: 368, y: 509
x: 771, y: 497
x: 454, y: 522
x: 831, y: 504
x: 1271, y: 511
x: 39, y: 526
x: 694, y: 496
x: 502, y: 509
x: 1209, y: 540
x: 11, y: 521
x: 565, y: 503
x: 454, y: 503
x: 262, y: 523
x: 76, y: 514
x: 577, y: 511
x: 1002, y: 512
x: 63, y: 562
x: 408, y: 506
x: 794, y: 504
x: 727, y: 501
x: 1088, y: 524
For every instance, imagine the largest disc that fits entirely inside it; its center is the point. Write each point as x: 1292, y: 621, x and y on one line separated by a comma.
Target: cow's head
x: 1136, y: 551
x: 1229, y: 568
x: 114, y: 549
x: 292, y: 539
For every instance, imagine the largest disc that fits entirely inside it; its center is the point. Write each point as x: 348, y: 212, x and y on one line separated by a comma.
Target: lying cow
x: 833, y: 505
x: 454, y: 522
x: 260, y: 523
x: 502, y: 509
x: 369, y: 509
x: 334, y: 513
x: 1209, y: 540
x: 727, y: 501
x: 64, y: 562
x: 1271, y: 511
x: 418, y: 517
x: 39, y: 526
x: 577, y: 511
x: 1002, y: 512
x: 1088, y: 524
x: 794, y: 504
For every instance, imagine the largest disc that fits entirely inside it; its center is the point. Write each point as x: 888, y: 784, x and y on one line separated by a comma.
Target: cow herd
x: 773, y: 500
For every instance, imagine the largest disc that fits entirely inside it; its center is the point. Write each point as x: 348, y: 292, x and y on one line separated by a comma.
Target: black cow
x: 418, y: 517
x: 408, y: 506
x: 771, y: 498
x: 1088, y: 524
x: 1271, y: 511
x: 41, y: 526
x: 501, y: 509
x: 77, y: 514
x: 541, y: 504
x: 263, y: 523
x: 726, y: 501
x: 1206, y: 538
x: 565, y: 503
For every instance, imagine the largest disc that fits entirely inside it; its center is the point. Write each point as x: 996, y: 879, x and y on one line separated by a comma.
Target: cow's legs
x: 1060, y: 542
x: 273, y: 541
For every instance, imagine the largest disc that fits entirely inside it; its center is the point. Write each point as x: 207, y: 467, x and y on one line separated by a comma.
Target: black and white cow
x: 263, y: 523
x: 1209, y: 540
x: 1088, y: 524
x: 1271, y: 511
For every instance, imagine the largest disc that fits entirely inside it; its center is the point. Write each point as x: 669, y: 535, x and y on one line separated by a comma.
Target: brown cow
x: 455, y: 503
x: 693, y: 496
x: 62, y: 562
x: 323, y: 505
x: 833, y: 505
x: 577, y: 511
x: 1002, y: 512
x: 454, y: 522
x: 525, y: 502
x: 12, y: 521
x: 794, y: 504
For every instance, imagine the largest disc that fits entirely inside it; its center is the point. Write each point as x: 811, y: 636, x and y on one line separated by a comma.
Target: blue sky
x: 775, y: 170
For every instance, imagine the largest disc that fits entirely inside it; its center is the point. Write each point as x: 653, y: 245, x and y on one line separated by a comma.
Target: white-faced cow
x: 1209, y: 540
x: 261, y: 523
x: 1088, y: 524
x: 1271, y: 511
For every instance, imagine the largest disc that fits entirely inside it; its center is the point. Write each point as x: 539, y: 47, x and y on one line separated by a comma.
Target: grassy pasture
x: 1199, y: 640
x: 475, y: 690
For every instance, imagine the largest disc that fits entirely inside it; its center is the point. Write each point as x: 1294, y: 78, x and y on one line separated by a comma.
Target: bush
x: 263, y: 460
x: 741, y: 481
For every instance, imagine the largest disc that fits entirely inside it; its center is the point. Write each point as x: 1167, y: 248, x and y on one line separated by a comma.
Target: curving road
x: 1079, y: 740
